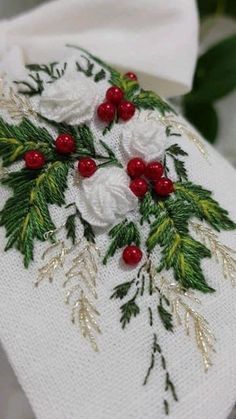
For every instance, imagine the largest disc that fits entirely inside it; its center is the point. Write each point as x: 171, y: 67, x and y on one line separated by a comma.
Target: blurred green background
x: 215, y: 75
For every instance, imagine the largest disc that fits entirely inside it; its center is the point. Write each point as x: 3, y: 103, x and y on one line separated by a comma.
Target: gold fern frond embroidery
x: 183, y: 129
x: 183, y: 313
x: 57, y: 261
x: 85, y: 267
x: 85, y: 311
x: 3, y: 171
x: 84, y: 270
x: 222, y: 253
x: 17, y: 106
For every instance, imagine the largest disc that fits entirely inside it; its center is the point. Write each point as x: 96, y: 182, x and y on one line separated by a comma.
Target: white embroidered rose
x: 143, y: 138
x: 69, y: 99
x: 105, y: 196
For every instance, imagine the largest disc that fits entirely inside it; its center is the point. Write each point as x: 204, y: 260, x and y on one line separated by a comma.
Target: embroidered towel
x: 143, y: 366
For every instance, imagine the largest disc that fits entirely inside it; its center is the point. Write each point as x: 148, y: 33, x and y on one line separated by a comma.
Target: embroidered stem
x: 169, y: 386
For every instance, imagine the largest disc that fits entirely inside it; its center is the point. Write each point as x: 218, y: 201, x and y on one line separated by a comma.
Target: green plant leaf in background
x: 204, y: 117
x: 215, y: 74
x: 215, y: 77
x: 216, y: 7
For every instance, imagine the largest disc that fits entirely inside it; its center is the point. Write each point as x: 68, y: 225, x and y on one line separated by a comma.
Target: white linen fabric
x: 158, y: 39
x: 60, y: 374
x: 64, y: 379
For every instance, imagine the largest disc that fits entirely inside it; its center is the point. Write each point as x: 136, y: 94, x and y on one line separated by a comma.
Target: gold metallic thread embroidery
x: 221, y: 252
x: 183, y: 312
x: 84, y: 270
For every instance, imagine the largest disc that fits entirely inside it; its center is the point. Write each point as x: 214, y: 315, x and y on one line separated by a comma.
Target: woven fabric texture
x: 64, y: 379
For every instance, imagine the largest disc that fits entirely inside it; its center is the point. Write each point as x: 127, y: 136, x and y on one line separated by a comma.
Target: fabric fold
x: 155, y: 38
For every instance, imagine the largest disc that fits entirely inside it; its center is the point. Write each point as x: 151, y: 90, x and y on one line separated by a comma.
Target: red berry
x: 65, y: 144
x: 126, y: 110
x: 164, y: 187
x: 136, y: 167
x: 114, y: 95
x: 132, y: 255
x: 154, y: 170
x: 131, y: 76
x: 106, y: 111
x: 34, y: 159
x: 87, y: 167
x: 139, y: 187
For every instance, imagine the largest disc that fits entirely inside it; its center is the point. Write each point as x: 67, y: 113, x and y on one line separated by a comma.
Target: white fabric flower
x: 105, y: 196
x: 70, y: 99
x: 143, y: 138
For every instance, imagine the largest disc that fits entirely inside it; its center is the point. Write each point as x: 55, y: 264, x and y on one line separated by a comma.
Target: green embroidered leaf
x: 128, y: 310
x: 70, y: 227
x: 109, y: 151
x: 123, y: 234
x: 114, y: 73
x: 165, y: 317
x: 204, y: 206
x: 88, y: 231
x: 53, y: 182
x: 15, y: 140
x: 128, y: 86
x: 147, y: 208
x: 53, y: 70
x: 25, y: 215
x: 176, y: 150
x: 121, y: 290
x: 116, y: 78
x: 169, y: 133
x: 179, y: 250
x: 85, y: 139
x: 149, y: 100
x: 88, y: 71
x: 111, y: 159
x: 108, y: 127
x: 32, y: 89
x: 180, y: 169
x: 100, y: 76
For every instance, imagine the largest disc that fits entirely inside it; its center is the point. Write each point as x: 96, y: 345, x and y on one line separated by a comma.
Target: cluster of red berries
x: 64, y: 144
x: 115, y: 104
x: 153, y: 175
x: 142, y: 176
